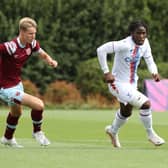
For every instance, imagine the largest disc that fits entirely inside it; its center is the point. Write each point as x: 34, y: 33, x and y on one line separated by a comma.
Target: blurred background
x: 70, y: 31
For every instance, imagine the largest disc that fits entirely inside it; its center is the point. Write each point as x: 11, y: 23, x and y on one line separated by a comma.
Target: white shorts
x: 12, y: 95
x: 127, y: 93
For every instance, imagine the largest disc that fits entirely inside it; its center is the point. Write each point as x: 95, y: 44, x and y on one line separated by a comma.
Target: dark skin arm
x: 156, y: 77
x: 109, y: 78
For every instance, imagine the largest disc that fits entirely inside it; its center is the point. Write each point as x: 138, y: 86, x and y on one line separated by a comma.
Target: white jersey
x: 127, y: 58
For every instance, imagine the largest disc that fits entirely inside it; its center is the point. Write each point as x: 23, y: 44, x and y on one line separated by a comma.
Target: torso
x: 13, y: 57
x: 126, y: 60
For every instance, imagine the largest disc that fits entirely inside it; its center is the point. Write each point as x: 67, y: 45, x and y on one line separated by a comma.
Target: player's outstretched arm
x: 48, y: 59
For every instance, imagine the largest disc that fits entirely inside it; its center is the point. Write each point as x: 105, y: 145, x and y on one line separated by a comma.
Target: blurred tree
x: 71, y: 30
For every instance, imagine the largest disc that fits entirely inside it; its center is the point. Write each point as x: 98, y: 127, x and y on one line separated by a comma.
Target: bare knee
x: 32, y: 102
x: 40, y: 105
x: 126, y: 111
x: 126, y: 114
x: 16, y: 110
x: 146, y: 105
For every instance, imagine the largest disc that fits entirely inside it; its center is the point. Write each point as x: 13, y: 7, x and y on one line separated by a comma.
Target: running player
x: 13, y: 55
x: 122, y: 81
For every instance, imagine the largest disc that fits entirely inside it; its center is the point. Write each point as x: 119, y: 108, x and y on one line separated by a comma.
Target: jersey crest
x: 28, y: 51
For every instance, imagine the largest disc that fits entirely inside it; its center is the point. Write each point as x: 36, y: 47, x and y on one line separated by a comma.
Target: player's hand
x: 53, y: 63
x: 109, y: 78
x: 156, y: 77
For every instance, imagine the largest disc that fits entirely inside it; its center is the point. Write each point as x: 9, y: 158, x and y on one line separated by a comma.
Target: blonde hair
x: 26, y: 23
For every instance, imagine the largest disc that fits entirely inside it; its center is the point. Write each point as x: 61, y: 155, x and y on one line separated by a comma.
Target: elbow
x: 99, y: 51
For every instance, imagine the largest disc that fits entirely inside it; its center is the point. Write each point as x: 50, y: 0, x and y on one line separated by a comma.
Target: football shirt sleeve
x: 107, y: 48
x: 35, y: 46
x: 102, y: 52
x: 149, y: 60
x: 10, y: 47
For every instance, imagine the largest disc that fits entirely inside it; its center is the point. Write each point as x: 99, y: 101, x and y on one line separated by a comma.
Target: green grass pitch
x: 78, y: 140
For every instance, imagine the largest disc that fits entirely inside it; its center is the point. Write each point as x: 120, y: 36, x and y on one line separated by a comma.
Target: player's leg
x: 121, y: 116
x: 146, y: 118
x: 37, y: 107
x: 120, y: 119
x: 12, y: 97
x: 121, y: 92
x: 142, y: 102
x: 11, y: 124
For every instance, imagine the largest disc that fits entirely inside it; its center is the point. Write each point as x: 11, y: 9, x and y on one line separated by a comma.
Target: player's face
x: 29, y: 35
x: 139, y: 35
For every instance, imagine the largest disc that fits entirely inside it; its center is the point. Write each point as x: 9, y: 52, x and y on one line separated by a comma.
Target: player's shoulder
x: 34, y: 43
x: 11, y: 46
x: 146, y: 44
x: 124, y: 44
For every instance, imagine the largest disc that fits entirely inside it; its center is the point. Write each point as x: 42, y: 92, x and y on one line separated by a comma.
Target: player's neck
x: 21, y: 42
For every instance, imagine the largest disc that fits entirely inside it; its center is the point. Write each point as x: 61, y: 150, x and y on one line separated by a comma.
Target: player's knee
x: 16, y: 114
x: 16, y: 110
x: 126, y: 113
x: 40, y: 106
x: 146, y: 105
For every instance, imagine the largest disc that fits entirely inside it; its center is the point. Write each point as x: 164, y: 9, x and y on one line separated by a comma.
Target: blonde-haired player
x: 13, y: 55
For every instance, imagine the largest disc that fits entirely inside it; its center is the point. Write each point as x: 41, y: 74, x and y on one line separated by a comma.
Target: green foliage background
x: 71, y: 30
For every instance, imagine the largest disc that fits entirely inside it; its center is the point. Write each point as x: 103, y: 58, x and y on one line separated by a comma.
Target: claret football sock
x: 36, y: 116
x: 11, y: 122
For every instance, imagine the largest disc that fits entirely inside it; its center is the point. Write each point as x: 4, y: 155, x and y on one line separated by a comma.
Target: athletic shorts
x: 12, y: 95
x: 127, y: 93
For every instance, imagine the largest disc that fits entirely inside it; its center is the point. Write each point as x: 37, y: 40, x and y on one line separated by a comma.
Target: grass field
x: 78, y: 141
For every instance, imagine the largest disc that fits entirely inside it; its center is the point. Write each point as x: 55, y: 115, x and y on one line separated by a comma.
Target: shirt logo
x: 134, y: 56
x: 28, y: 51
x: 129, y: 95
x: 17, y: 93
x: 131, y: 59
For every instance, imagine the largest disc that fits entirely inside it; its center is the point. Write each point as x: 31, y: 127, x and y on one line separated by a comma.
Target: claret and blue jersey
x: 13, y: 56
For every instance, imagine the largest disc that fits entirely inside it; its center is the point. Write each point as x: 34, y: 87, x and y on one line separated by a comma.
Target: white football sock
x: 118, y: 122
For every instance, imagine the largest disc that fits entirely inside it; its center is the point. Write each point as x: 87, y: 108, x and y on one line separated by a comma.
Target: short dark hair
x: 135, y: 24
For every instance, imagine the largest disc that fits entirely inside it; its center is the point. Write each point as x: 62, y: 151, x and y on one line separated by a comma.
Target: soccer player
x: 13, y: 55
x: 122, y: 81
